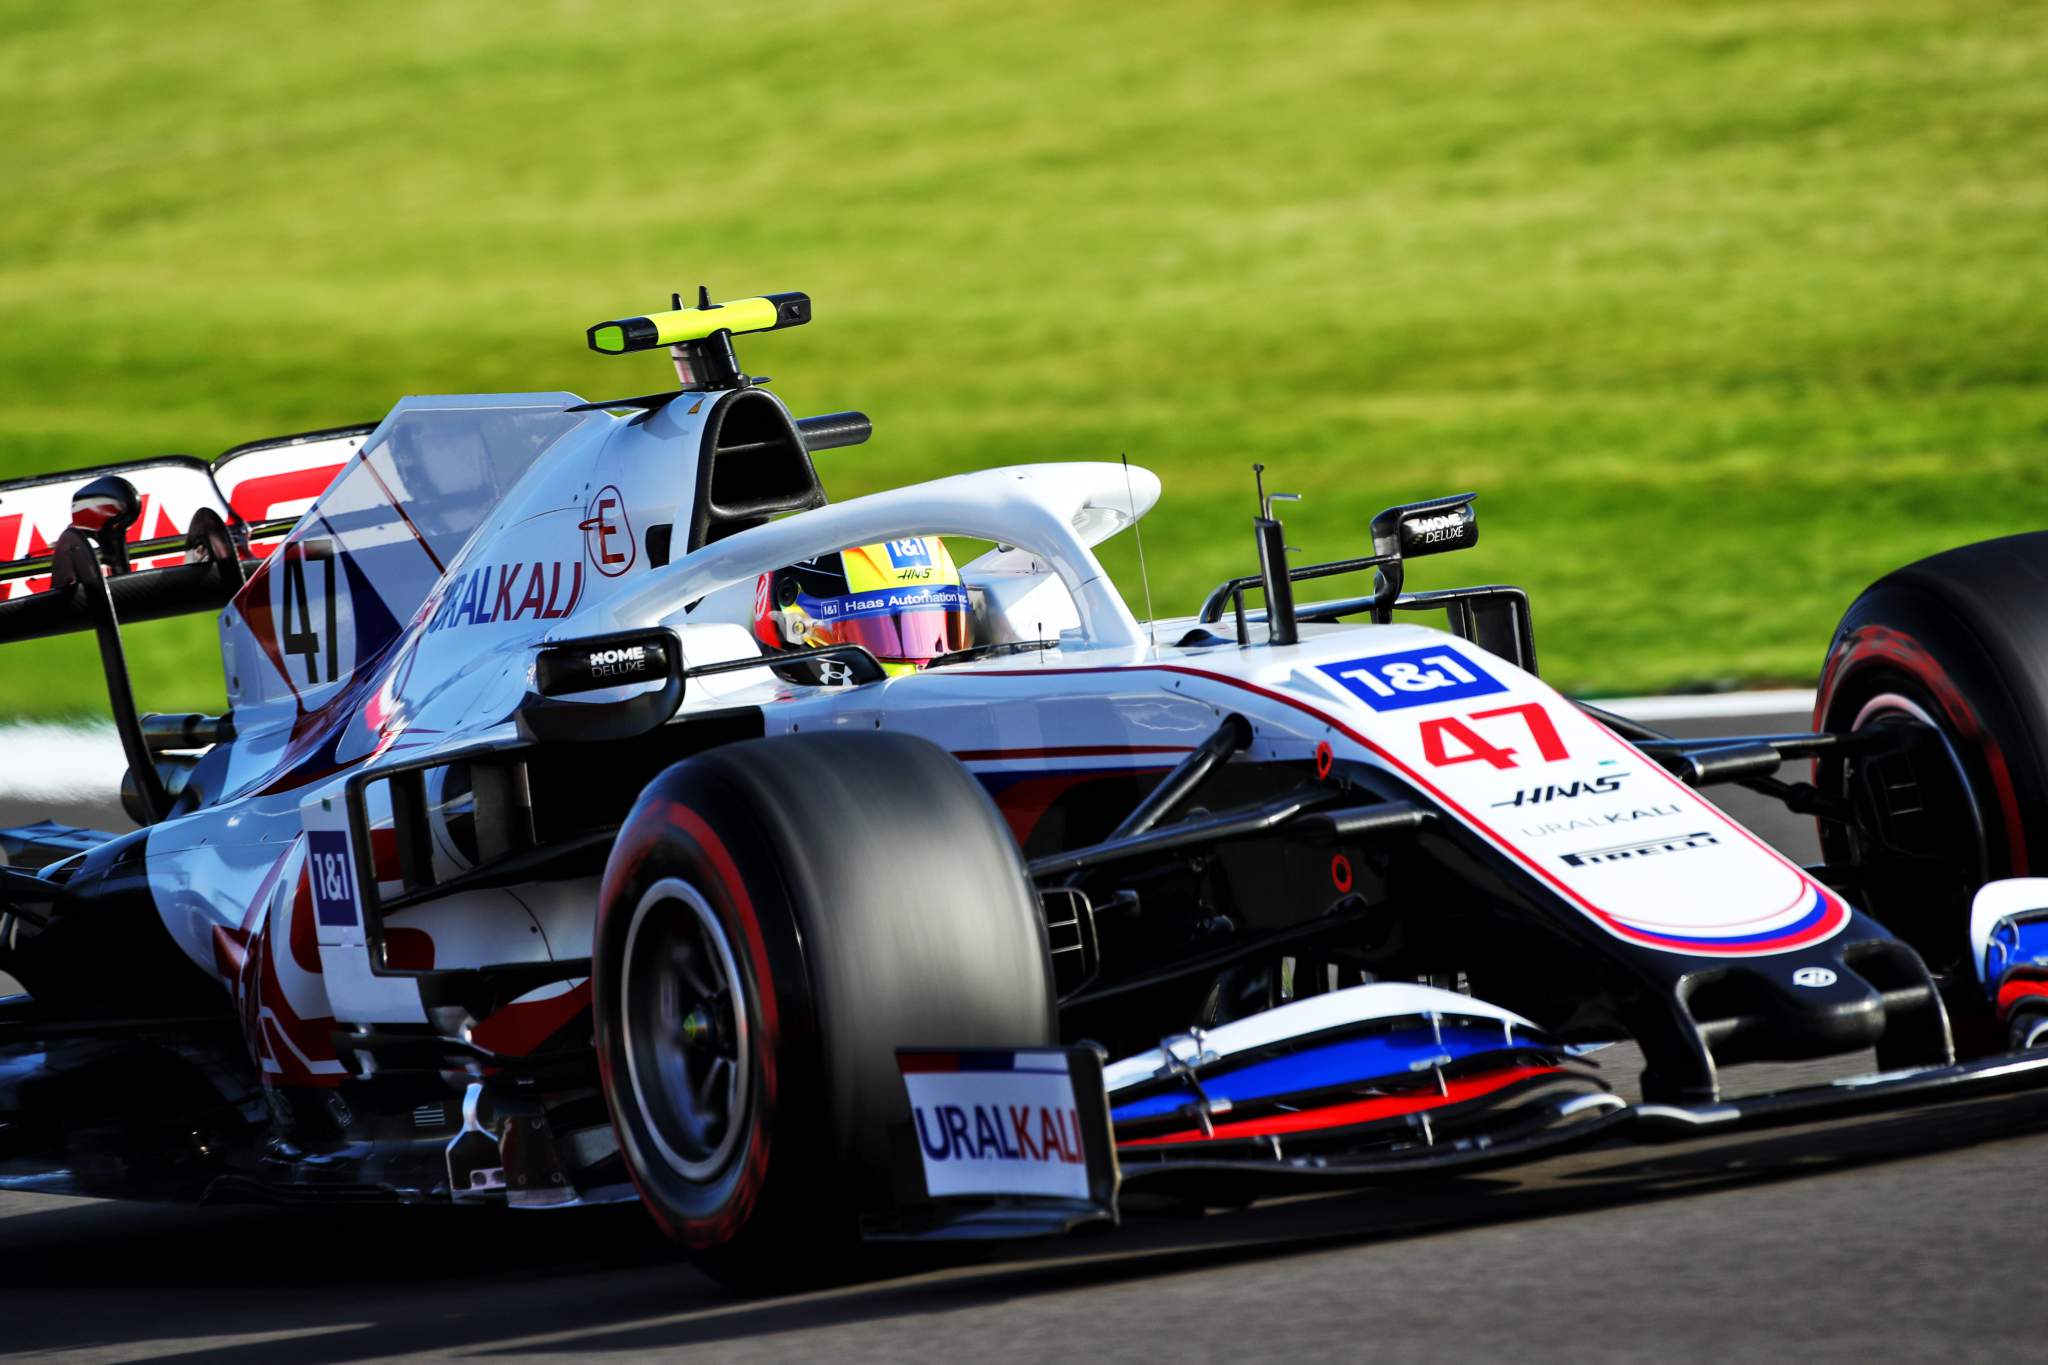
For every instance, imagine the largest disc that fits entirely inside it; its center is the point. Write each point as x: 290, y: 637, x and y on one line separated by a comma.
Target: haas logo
x: 607, y: 535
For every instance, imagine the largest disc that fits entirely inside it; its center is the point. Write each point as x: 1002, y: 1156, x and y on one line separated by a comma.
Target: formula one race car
x: 602, y: 815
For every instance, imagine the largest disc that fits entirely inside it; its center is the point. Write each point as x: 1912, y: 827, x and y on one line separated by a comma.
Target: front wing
x: 1535, y: 1111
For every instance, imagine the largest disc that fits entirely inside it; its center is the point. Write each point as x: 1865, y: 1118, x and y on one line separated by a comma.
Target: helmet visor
x: 897, y: 625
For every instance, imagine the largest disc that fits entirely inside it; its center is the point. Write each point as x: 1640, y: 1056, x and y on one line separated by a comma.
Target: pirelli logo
x: 1648, y: 848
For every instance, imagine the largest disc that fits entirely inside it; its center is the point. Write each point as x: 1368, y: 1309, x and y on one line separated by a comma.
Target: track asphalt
x: 1902, y: 1237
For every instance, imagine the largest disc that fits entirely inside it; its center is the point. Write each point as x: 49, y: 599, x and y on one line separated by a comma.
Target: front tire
x: 1959, y: 644
x: 777, y: 917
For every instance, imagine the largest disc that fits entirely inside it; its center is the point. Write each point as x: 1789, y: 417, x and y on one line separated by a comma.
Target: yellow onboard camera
x: 762, y: 313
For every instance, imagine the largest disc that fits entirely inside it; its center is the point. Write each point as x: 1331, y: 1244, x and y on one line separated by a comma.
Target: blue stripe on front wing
x: 1378, y: 1056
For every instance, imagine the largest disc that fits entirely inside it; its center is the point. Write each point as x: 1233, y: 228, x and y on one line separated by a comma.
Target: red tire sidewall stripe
x: 640, y: 838
x: 1888, y: 645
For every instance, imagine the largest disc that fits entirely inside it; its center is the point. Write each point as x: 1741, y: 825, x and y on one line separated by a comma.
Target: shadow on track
x: 238, y: 1284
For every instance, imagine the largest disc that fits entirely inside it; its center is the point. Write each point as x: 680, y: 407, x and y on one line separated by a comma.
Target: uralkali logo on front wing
x: 996, y: 1123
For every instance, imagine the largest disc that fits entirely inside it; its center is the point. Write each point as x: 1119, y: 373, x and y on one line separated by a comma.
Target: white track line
x: 1711, y: 705
x: 40, y: 762
x: 44, y: 762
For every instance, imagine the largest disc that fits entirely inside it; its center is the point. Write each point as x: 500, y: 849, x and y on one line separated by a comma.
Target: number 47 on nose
x: 1439, y: 735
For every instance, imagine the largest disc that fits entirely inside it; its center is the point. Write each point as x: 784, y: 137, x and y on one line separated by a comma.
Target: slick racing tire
x: 1959, y: 643
x: 776, y: 918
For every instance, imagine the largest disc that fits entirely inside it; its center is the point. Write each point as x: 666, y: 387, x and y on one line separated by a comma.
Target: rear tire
x: 1958, y: 641
x: 777, y: 917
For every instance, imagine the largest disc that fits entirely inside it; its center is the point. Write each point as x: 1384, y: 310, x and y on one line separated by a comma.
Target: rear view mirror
x: 1430, y: 527
x: 594, y: 664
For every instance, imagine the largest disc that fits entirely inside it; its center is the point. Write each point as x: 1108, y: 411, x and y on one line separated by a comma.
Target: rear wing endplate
x: 259, y: 490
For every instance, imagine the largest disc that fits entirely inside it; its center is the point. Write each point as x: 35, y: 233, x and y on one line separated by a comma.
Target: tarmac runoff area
x: 1895, y: 1237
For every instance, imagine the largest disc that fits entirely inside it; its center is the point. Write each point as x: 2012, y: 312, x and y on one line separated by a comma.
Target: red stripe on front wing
x: 1353, y: 1113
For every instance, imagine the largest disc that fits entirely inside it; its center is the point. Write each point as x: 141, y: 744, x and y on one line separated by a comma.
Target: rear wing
x: 90, y: 548
x: 259, y: 490
x: 268, y: 485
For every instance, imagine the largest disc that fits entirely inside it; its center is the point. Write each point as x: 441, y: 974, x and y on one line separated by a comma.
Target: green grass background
x: 1725, y: 308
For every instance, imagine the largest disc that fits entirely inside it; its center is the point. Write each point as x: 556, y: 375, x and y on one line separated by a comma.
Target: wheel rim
x: 1931, y: 804
x: 684, y: 1009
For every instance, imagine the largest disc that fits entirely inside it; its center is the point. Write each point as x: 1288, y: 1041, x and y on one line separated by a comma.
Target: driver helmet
x: 901, y: 600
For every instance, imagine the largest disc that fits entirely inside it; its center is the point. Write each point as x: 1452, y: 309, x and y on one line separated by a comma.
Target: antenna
x: 1138, y: 530
x: 1274, y: 578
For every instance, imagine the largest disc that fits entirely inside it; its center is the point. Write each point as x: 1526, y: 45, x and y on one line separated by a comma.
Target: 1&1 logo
x: 334, y: 897
x: 1415, y: 677
x: 910, y: 554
